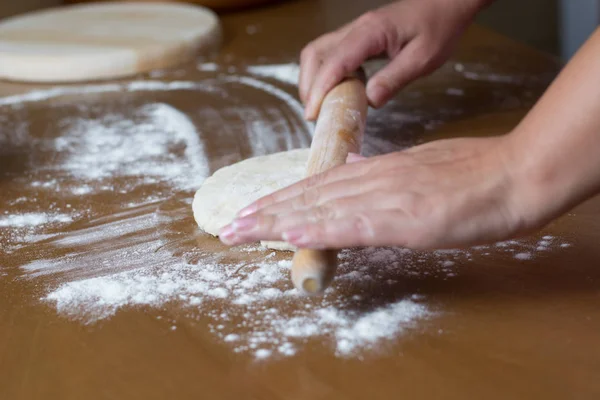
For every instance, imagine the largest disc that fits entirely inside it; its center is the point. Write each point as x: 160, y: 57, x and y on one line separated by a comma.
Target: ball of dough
x: 234, y: 187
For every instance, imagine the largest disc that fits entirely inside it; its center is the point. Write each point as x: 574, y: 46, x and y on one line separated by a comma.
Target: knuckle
x: 319, y: 46
x: 392, y: 40
x: 266, y: 201
x: 414, y: 205
x: 367, y: 170
x: 426, y: 58
x: 422, y: 62
x: 370, y: 18
x: 313, y: 181
x: 377, y: 24
x: 327, y: 39
x: 334, y: 70
x: 427, y: 230
x: 363, y: 228
x: 307, y: 198
x: 265, y: 223
x: 422, y: 55
x: 325, y: 211
x: 308, y: 52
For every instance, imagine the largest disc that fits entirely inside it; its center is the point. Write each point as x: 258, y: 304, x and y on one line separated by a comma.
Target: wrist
x: 553, y: 153
x: 543, y: 186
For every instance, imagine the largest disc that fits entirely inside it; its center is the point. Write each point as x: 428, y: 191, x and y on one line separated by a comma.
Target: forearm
x: 556, y: 148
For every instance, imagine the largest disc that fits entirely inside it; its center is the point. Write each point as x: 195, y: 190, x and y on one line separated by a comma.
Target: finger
x: 369, y: 228
x: 256, y: 227
x: 308, y: 69
x: 411, y: 63
x: 354, y: 157
x: 358, y: 45
x: 309, y: 65
x: 267, y: 226
x: 310, y: 58
x: 321, y: 195
x: 343, y: 172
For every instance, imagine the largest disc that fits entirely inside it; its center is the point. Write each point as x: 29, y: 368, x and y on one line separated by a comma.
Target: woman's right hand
x: 417, y: 36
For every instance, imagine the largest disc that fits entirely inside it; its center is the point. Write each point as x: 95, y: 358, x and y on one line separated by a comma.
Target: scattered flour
x: 208, y: 67
x: 286, y: 73
x: 102, y: 148
x: 377, y: 325
x: 262, y: 353
x: 281, y: 94
x: 155, y: 147
x: 252, y: 305
x: 81, y: 190
x: 486, y: 73
x: 134, y: 86
x: 249, y: 305
x: 524, y: 256
x: 32, y: 220
x: 455, y: 92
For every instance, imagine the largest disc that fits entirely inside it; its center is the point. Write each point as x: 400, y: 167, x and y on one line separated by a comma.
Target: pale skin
x: 447, y: 193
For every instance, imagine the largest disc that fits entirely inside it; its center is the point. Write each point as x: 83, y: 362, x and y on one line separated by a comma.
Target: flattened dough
x: 103, y: 40
x: 234, y: 187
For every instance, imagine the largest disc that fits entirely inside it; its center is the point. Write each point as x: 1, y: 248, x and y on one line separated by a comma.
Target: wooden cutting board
x: 103, y: 41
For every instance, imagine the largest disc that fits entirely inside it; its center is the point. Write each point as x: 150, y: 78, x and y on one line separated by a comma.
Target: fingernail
x: 244, y: 212
x: 296, y: 236
x: 227, y: 235
x: 244, y: 224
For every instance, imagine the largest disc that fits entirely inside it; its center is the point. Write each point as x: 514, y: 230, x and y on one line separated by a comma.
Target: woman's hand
x: 417, y: 36
x: 455, y: 192
x: 438, y: 195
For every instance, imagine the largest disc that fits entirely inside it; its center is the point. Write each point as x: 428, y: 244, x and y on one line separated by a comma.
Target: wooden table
x: 505, y: 326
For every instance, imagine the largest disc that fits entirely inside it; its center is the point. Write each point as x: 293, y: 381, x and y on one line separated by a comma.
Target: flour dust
x: 108, y: 182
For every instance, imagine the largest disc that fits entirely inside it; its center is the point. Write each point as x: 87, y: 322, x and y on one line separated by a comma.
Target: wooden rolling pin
x: 339, y: 131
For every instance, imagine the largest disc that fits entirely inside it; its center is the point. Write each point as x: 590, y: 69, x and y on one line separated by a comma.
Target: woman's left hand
x: 443, y: 194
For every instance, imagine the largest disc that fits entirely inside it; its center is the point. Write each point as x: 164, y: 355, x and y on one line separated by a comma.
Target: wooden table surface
x: 517, y: 320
